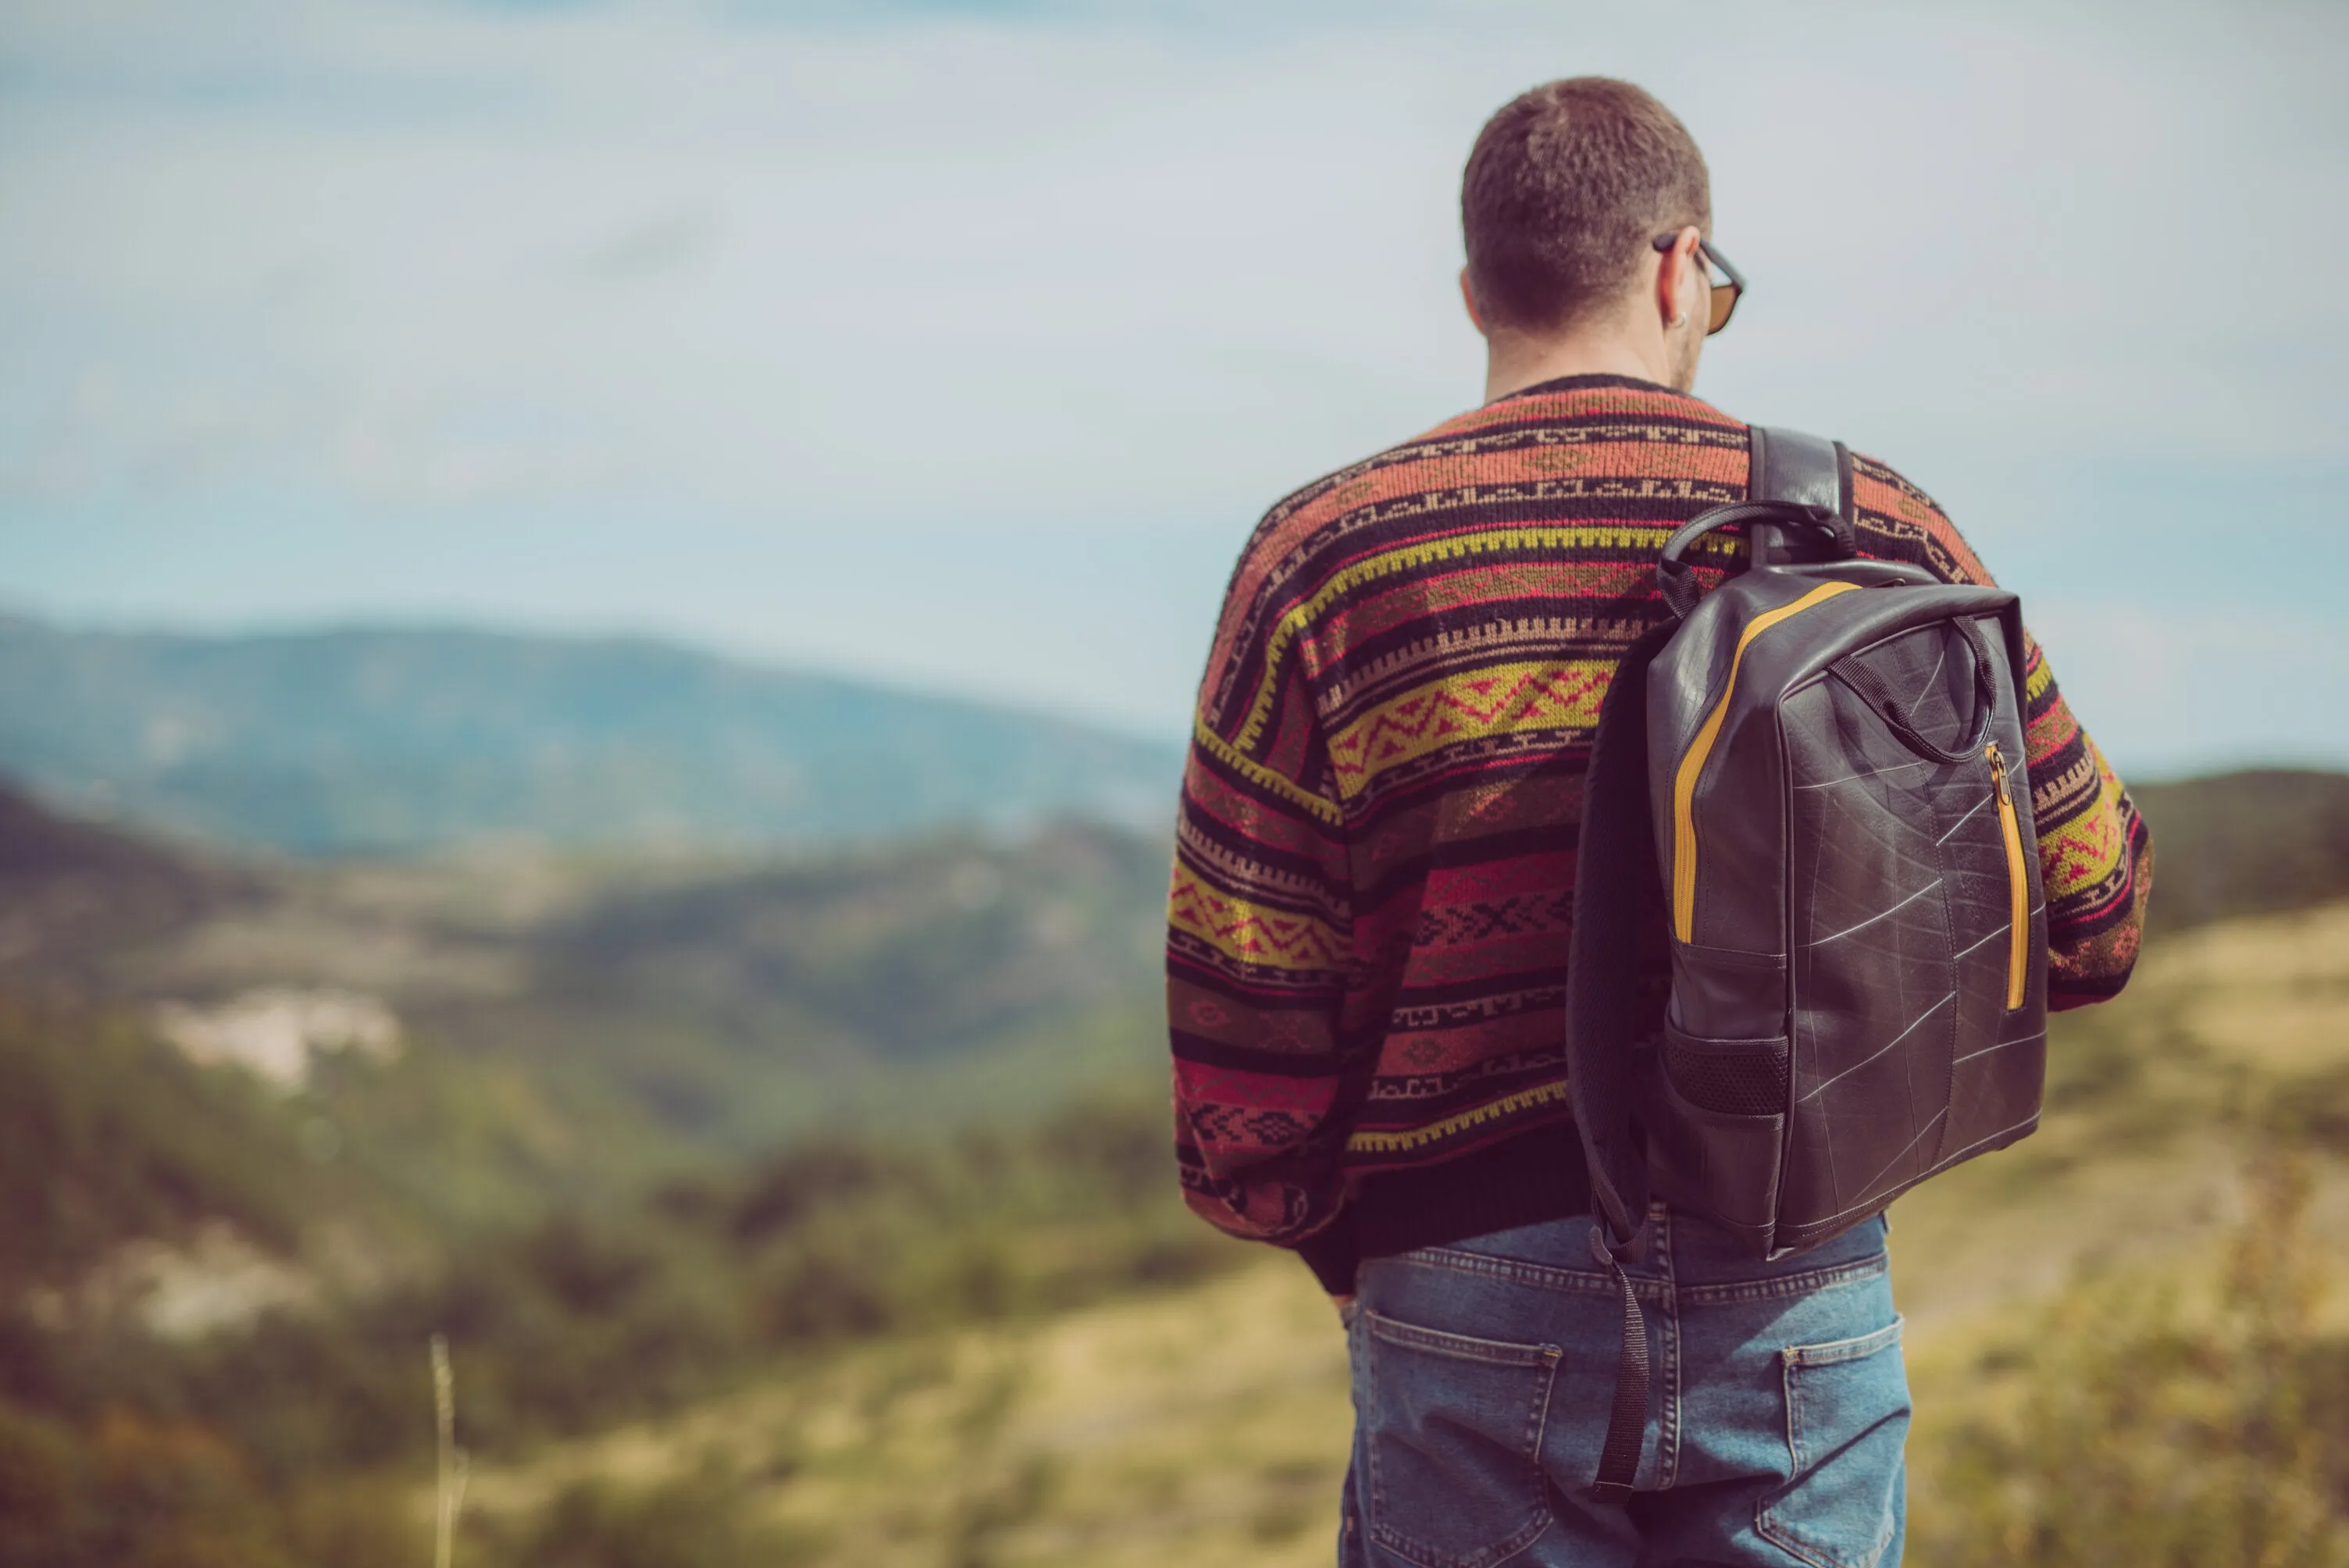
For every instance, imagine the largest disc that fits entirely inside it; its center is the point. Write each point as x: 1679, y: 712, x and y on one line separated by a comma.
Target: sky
x: 960, y: 345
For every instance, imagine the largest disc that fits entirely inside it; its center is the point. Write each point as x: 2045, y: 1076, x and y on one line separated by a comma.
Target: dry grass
x: 2223, y: 1035
x: 1205, y: 1426
x: 1211, y: 1426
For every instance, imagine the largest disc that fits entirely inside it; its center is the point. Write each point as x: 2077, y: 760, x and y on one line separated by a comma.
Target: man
x: 1371, y: 899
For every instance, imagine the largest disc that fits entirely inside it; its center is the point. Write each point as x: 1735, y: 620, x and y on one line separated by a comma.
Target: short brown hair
x: 1564, y: 189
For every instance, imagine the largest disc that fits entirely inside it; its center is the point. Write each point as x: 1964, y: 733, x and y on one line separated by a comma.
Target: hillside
x: 488, y: 1034
x: 959, y: 1315
x: 550, y: 1024
x: 1210, y: 1425
x: 2240, y: 843
x: 72, y: 893
x: 394, y: 741
x: 110, y: 1137
x: 1021, y: 1352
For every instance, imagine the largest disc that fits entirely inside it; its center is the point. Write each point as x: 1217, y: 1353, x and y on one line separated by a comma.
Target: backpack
x: 1817, y: 769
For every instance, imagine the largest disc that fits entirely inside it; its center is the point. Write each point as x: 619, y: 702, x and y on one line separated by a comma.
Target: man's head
x: 1567, y: 190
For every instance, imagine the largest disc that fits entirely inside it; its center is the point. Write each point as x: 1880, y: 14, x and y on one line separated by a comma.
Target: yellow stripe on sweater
x: 1264, y: 778
x: 1252, y: 933
x: 1470, y: 705
x: 1458, y: 547
x: 1419, y: 1136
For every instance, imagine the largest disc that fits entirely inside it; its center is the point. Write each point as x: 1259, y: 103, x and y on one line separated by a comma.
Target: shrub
x: 2149, y: 1433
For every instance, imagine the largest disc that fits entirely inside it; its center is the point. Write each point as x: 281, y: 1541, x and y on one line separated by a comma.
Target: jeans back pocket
x: 1454, y: 1429
x: 1846, y: 1420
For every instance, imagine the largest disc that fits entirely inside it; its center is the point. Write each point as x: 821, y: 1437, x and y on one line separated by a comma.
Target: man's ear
x: 1468, y: 298
x: 1668, y: 276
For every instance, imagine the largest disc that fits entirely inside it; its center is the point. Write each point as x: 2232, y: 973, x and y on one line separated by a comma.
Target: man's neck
x: 1515, y: 361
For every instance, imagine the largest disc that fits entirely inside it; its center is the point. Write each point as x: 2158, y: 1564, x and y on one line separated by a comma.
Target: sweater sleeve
x: 1258, y: 931
x: 2095, y: 856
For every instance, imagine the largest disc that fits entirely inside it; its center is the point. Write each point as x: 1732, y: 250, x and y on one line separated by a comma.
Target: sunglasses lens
x: 1724, y: 304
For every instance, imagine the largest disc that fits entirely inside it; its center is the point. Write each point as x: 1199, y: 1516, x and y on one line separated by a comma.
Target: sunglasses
x: 1724, y: 294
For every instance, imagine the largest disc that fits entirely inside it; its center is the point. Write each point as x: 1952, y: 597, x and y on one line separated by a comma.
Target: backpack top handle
x: 1676, y: 576
x: 1902, y: 717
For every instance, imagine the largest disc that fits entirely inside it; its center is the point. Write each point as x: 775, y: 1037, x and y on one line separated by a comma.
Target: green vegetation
x: 576, y: 1029
x: 108, y: 1136
x: 2245, y: 843
x: 2126, y: 1423
x: 579, y: 1321
x: 820, y: 1212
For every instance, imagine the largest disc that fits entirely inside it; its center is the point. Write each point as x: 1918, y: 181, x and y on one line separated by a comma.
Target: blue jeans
x: 1484, y: 1370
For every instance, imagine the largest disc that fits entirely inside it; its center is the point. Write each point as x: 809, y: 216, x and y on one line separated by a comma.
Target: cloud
x: 1103, y: 279
x: 663, y: 243
x: 1105, y: 240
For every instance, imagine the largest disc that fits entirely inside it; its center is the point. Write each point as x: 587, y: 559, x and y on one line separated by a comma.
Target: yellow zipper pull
x: 2018, y: 886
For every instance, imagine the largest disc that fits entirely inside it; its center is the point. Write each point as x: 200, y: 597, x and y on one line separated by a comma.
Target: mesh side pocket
x: 1733, y: 1077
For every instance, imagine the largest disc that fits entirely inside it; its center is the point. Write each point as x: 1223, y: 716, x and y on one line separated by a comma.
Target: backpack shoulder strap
x: 1614, y: 855
x: 1791, y: 466
x: 1798, y: 469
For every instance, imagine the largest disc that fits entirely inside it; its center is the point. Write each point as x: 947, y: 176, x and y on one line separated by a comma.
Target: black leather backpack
x: 1822, y: 762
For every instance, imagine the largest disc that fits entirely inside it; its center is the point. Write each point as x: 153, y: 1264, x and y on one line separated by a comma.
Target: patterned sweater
x: 1374, y: 866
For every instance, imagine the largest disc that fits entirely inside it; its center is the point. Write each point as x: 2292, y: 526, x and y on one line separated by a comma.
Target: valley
x: 1211, y: 1424
x: 815, y: 1207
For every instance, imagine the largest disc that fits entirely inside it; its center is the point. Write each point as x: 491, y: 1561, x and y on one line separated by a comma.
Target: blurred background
x: 598, y: 603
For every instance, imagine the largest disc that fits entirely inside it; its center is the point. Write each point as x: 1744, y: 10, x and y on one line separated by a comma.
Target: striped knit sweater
x: 1374, y: 866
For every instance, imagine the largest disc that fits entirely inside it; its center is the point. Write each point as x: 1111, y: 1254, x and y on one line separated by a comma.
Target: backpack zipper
x: 1692, y: 761
x: 2018, y: 884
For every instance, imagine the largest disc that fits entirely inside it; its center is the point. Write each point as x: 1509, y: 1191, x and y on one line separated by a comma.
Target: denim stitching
x: 1545, y: 1356
x: 1462, y: 1346
x: 1836, y: 1351
x: 1537, y: 1427
x: 1490, y: 1556
x: 1787, y: 1285
x: 1648, y: 1288
x: 1789, y: 1365
x: 1794, y: 1358
x: 1520, y: 1273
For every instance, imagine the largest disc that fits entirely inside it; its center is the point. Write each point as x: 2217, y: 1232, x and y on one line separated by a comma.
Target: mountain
x: 486, y: 1031
x: 2243, y: 843
x: 394, y: 741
